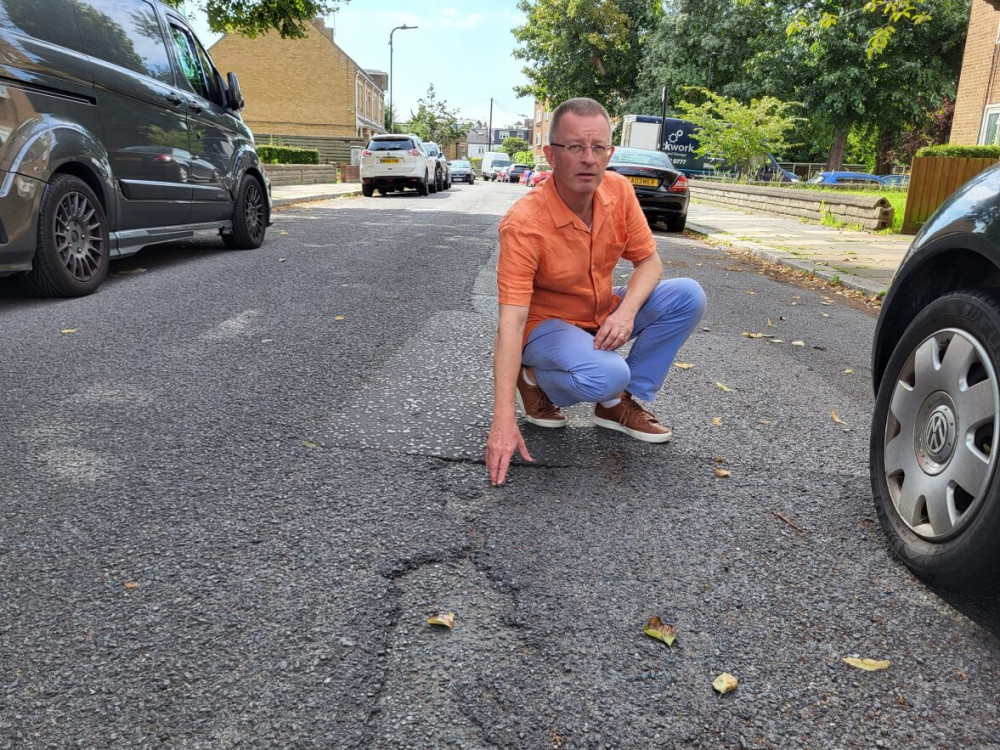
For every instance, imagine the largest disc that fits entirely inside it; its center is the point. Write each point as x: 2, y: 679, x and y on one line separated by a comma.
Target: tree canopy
x: 433, y: 121
x: 254, y: 17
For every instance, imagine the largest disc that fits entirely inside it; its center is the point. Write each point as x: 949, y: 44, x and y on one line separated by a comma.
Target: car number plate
x: 389, y: 160
x: 644, y: 181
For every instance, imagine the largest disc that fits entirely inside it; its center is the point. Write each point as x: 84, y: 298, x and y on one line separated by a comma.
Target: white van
x: 492, y: 161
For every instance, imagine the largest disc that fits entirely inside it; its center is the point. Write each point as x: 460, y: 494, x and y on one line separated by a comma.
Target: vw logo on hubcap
x: 937, y: 439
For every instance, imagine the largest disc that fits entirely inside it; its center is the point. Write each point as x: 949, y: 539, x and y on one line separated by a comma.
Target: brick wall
x: 301, y: 87
x: 979, y: 84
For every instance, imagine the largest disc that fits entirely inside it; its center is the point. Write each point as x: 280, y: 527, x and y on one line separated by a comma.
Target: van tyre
x: 249, y: 216
x: 934, y: 439
x: 368, y: 191
x: 72, y: 246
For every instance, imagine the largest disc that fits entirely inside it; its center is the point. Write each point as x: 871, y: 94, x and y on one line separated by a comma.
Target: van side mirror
x: 236, y: 102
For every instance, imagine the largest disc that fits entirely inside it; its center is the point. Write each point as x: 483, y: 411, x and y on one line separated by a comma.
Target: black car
x: 936, y: 372
x: 661, y: 188
x: 462, y: 171
x: 515, y: 172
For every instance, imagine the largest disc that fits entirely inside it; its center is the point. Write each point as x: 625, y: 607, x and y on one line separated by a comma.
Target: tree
x: 433, y: 121
x: 584, y: 48
x: 512, y: 145
x: 739, y: 134
x: 254, y: 17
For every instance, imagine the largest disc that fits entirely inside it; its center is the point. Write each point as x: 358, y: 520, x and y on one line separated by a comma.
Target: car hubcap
x: 939, y: 435
x: 78, y: 237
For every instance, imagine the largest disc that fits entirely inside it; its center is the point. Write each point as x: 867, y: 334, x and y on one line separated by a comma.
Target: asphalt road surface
x: 235, y: 485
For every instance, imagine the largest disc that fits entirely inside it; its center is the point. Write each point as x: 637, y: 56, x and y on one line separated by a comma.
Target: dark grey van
x: 116, y: 132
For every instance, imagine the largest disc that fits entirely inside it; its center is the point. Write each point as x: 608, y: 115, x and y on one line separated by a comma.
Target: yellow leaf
x: 824, y: 315
x: 69, y: 330
x: 765, y: 421
x: 658, y: 629
x: 722, y: 473
x: 837, y: 419
x: 777, y: 341
x: 683, y: 365
x: 721, y: 387
x: 338, y: 317
x: 753, y: 335
x: 716, y: 421
x: 770, y: 324
x: 310, y: 444
x: 725, y: 683
x: 750, y: 291
x: 869, y: 665
x: 848, y: 371
x: 283, y: 233
x: 798, y: 343
x: 132, y: 585
x: 446, y: 619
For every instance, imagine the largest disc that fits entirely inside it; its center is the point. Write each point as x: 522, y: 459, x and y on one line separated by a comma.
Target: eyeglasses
x: 576, y: 149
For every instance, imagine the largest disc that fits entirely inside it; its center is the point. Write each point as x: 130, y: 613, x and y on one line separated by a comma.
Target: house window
x: 991, y: 126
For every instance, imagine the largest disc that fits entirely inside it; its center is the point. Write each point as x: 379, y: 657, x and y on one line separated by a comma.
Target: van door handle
x: 196, y: 108
x: 175, y: 100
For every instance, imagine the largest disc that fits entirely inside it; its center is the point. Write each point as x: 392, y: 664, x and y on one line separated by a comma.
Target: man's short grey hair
x: 581, y: 106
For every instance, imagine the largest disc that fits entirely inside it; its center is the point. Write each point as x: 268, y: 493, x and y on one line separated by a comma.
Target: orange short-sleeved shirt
x: 557, y: 267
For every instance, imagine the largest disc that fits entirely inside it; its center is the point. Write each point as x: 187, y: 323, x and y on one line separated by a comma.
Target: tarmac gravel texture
x: 233, y: 497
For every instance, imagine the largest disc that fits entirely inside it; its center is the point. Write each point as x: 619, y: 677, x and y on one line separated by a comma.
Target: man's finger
x: 498, y: 473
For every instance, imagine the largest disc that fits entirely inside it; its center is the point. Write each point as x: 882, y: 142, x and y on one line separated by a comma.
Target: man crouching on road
x: 560, y: 319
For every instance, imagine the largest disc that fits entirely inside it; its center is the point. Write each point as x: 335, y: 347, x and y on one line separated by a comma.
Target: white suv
x: 395, y: 161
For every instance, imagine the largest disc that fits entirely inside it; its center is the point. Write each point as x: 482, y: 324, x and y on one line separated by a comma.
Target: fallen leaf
x: 69, y: 330
x: 782, y: 517
x: 716, y: 421
x: 901, y: 700
x: 722, y: 473
x: 721, y: 387
x: 283, y: 233
x: 719, y: 459
x: 769, y: 323
x: 848, y: 371
x: 658, y: 629
x: 750, y: 291
x: 960, y: 674
x: 798, y: 343
x: 725, y: 683
x: 824, y: 302
x: 753, y: 335
x: 777, y: 341
x: 706, y: 330
x: 310, y: 444
x: 869, y: 665
x: 782, y: 317
x: 683, y: 365
x: 765, y: 421
x: 132, y: 585
x: 446, y: 619
x: 837, y: 419
x: 338, y: 317
x: 824, y: 315
x: 281, y: 260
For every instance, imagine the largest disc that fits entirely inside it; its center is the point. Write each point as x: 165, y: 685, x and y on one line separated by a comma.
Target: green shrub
x: 287, y: 155
x: 477, y: 163
x: 948, y: 150
x: 524, y: 157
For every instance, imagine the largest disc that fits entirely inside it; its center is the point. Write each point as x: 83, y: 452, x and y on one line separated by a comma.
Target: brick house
x: 305, y: 92
x: 541, y: 130
x: 977, y: 106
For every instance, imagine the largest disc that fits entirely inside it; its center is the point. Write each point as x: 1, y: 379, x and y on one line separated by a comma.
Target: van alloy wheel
x: 249, y: 216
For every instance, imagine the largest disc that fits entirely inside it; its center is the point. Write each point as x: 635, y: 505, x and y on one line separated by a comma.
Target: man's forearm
x: 641, y: 284
x: 507, y: 361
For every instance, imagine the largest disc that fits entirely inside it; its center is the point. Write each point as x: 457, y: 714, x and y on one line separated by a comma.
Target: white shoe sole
x: 643, y: 436
x: 549, y: 423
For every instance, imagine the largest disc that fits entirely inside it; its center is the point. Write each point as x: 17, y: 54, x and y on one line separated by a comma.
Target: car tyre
x: 72, y: 245
x: 249, y: 216
x: 423, y: 188
x: 936, y: 421
x: 676, y: 223
x: 369, y: 190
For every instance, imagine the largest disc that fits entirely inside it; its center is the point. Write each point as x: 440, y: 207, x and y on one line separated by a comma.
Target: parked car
x: 106, y: 150
x: 895, y: 180
x: 936, y: 370
x: 462, y: 171
x: 661, y: 188
x: 500, y: 175
x: 845, y: 178
x: 442, y: 172
x: 541, y: 173
x: 395, y: 161
x: 514, y: 172
x: 493, y: 162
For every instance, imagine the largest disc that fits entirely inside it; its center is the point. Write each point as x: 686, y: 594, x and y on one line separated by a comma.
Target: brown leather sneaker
x: 633, y: 420
x: 537, y: 408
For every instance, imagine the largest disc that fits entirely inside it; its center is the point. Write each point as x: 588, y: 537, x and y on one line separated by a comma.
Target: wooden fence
x: 932, y: 180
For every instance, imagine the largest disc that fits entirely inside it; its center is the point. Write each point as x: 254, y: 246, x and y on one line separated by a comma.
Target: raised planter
x: 301, y: 174
x: 932, y: 180
x: 871, y: 212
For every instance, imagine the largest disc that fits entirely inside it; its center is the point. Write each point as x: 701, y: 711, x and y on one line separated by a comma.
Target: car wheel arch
x: 949, y: 267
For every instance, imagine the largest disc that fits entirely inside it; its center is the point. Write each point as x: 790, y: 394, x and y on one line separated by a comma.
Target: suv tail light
x: 681, y: 186
x: 413, y: 152
x: 366, y: 152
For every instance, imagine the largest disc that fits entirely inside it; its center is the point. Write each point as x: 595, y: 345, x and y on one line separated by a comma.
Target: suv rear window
x: 402, y: 144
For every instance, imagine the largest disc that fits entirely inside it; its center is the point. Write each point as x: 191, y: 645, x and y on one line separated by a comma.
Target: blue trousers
x: 569, y: 369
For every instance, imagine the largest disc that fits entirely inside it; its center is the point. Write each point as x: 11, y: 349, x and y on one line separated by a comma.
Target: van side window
x: 126, y: 33
x: 56, y: 25
x: 187, y: 53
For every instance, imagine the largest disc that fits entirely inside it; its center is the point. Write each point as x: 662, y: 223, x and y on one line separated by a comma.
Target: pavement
x: 859, y: 260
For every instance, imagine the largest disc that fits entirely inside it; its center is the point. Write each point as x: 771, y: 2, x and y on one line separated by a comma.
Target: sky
x: 463, y: 47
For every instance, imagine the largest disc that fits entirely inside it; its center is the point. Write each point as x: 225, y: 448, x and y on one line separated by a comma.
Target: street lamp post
x: 392, y: 113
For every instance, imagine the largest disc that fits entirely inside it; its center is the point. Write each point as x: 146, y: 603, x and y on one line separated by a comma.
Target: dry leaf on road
x: 69, y: 330
x: 716, y: 422
x: 798, y: 343
x: 723, y: 473
x: 683, y: 365
x: 752, y: 335
x: 848, y: 371
x: 132, y: 585
x: 869, y: 665
x: 721, y: 387
x: 310, y: 444
x: 837, y: 419
x: 445, y: 619
x: 338, y: 317
x: 725, y: 683
x: 658, y: 629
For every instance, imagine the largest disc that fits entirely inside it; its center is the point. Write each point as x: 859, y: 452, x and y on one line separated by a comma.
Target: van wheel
x: 249, y: 217
x: 368, y: 191
x: 72, y: 246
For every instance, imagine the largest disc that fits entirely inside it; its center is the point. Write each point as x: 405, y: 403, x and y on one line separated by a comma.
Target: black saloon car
x: 515, y: 172
x: 661, y: 188
x: 935, y: 366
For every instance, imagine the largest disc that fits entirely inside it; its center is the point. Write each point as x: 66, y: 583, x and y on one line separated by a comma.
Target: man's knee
x: 683, y: 296
x: 603, y: 380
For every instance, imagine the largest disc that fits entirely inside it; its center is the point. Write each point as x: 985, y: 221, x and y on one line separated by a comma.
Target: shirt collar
x: 561, y: 213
